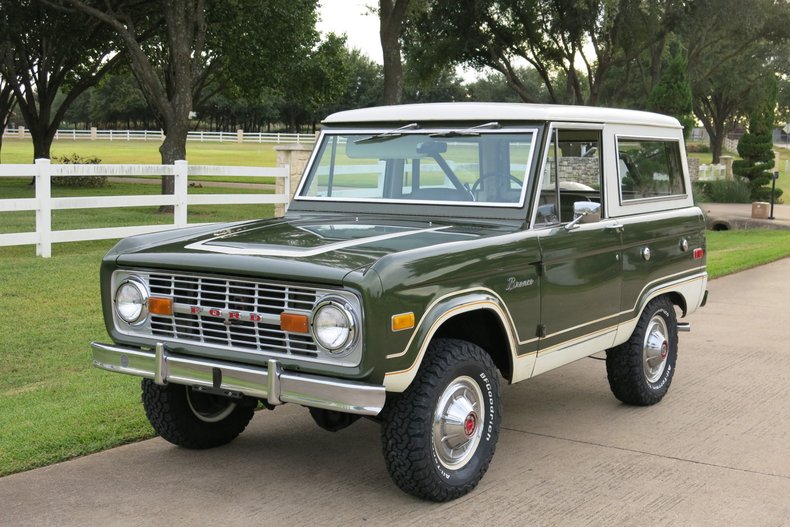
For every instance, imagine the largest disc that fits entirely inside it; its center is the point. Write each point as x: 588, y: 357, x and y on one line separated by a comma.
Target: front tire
x: 641, y: 369
x: 440, y: 434
x: 192, y: 419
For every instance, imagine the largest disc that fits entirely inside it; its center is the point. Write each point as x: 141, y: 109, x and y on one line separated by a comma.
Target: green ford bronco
x: 430, y: 252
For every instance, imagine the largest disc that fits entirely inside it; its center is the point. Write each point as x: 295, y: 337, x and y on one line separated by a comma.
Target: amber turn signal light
x: 160, y: 306
x: 402, y: 321
x: 294, y: 323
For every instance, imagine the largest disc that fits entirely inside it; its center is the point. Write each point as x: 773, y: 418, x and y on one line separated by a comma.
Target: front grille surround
x: 235, y: 314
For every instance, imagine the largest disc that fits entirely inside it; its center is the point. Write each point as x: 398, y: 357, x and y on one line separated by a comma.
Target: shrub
x: 723, y: 191
x: 698, y: 148
x: 78, y: 181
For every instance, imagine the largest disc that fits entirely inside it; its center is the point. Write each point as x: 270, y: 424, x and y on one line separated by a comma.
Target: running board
x: 684, y: 327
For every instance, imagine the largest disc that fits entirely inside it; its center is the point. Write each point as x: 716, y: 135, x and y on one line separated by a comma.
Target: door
x: 580, y: 252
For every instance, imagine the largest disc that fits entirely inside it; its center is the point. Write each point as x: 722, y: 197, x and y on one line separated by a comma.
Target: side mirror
x: 589, y: 211
x: 584, y: 212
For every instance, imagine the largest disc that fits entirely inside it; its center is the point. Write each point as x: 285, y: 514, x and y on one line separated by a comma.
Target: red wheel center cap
x: 664, y: 350
x: 470, y: 424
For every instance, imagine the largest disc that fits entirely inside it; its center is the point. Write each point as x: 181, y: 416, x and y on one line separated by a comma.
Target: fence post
x: 94, y: 133
x: 181, y: 173
x: 44, y: 208
x: 239, y: 135
x: 20, y: 132
x: 295, y: 158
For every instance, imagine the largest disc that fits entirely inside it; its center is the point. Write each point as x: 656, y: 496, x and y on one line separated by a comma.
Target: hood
x: 316, y: 248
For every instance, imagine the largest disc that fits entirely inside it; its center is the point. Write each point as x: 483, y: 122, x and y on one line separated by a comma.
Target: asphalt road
x: 715, y: 452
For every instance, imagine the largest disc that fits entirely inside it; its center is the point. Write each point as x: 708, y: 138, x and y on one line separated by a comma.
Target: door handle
x: 617, y: 228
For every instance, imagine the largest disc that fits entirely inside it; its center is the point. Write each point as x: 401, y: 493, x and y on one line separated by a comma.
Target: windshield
x: 436, y: 166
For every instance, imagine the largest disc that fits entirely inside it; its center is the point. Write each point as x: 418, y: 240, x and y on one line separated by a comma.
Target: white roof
x: 490, y: 111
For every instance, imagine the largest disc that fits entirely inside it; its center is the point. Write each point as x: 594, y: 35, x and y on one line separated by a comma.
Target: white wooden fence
x: 43, y: 202
x: 238, y: 136
x: 712, y: 172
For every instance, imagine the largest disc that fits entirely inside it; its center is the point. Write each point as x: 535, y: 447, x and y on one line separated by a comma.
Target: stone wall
x: 585, y: 170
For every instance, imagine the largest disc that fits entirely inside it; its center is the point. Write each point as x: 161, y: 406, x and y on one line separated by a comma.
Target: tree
x: 115, y: 102
x: 553, y: 37
x: 730, y: 56
x: 42, y: 56
x: 321, y: 81
x: 672, y: 94
x: 7, y: 103
x: 446, y: 86
x: 365, y: 83
x: 200, y: 46
x: 756, y: 146
x: 392, y: 14
x: 494, y: 87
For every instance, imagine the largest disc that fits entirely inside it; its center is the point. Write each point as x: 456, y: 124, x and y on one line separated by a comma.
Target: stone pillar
x: 693, y: 163
x: 727, y: 162
x: 239, y: 135
x: 295, y: 157
x: 93, y: 133
x: 21, y: 132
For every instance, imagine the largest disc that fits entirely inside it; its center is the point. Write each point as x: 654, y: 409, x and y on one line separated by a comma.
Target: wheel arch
x: 686, y: 293
x: 462, y: 318
x: 484, y: 328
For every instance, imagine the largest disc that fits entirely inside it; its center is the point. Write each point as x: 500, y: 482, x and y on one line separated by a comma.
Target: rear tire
x: 192, y: 419
x: 640, y: 370
x: 440, y: 434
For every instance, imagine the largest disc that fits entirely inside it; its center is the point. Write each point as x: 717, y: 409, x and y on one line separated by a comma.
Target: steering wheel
x: 498, y: 190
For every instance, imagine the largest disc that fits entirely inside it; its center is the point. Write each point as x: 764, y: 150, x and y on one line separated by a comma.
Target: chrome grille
x: 202, y: 304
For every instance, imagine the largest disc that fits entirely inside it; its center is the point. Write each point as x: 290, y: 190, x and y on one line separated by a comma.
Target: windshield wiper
x: 386, y: 136
x: 469, y: 132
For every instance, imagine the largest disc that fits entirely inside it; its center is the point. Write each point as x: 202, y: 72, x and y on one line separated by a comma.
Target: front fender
x: 406, y: 363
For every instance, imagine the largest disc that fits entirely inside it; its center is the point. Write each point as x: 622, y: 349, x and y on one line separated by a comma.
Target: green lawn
x: 24, y: 221
x: 239, y: 154
x: 733, y: 251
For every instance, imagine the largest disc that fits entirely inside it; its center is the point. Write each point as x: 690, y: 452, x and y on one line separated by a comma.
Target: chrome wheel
x: 458, y: 423
x: 655, y: 349
x: 209, y: 408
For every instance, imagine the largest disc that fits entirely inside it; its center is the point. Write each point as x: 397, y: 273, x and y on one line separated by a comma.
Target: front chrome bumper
x: 271, y: 384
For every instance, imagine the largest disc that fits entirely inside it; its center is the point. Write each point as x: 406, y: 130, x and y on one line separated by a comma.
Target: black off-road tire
x: 453, y: 373
x: 640, y: 370
x: 174, y: 412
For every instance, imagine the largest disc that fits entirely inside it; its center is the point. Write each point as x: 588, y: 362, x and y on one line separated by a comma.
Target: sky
x: 353, y: 18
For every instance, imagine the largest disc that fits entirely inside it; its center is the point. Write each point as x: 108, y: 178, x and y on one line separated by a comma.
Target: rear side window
x: 649, y: 168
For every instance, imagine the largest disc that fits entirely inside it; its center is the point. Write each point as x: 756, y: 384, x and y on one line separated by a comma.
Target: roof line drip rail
x: 469, y: 132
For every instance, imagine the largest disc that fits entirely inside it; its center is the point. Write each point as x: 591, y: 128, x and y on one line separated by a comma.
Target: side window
x: 572, y: 175
x: 649, y: 168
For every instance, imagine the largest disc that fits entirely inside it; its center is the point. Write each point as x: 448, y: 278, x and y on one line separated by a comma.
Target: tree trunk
x: 391, y: 16
x: 173, y: 148
x: 717, y: 143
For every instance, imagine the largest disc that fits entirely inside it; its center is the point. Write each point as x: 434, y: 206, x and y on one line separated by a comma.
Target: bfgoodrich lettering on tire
x: 641, y: 369
x: 193, y: 419
x: 440, y: 434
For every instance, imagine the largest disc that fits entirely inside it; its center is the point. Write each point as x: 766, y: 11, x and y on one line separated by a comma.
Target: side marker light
x: 402, y: 321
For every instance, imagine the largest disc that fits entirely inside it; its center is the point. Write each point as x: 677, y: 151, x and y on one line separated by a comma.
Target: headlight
x: 131, y: 300
x: 334, y: 325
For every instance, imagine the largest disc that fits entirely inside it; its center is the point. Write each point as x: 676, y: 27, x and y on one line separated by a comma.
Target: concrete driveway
x: 715, y: 452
